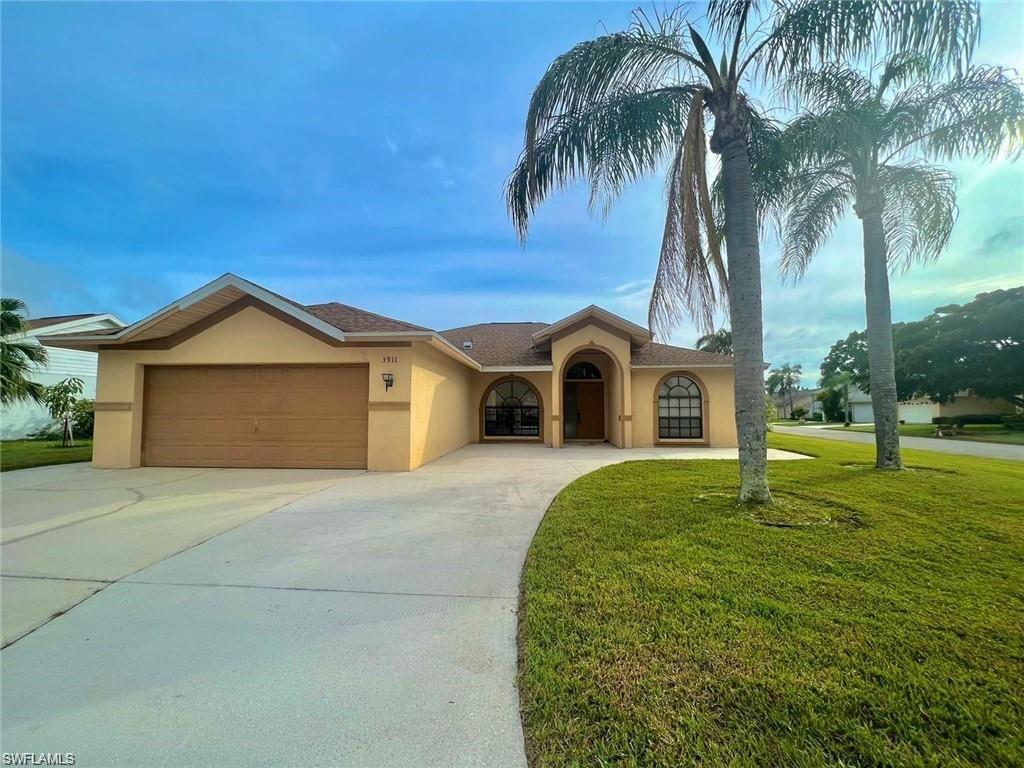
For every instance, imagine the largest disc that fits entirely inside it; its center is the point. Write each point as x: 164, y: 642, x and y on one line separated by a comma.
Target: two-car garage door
x: 255, y: 416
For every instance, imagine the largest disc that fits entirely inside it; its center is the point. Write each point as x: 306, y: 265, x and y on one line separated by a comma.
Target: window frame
x: 703, y: 400
x: 488, y: 389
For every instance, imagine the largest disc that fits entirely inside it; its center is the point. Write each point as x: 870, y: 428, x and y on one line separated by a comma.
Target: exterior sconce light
x: 389, y: 380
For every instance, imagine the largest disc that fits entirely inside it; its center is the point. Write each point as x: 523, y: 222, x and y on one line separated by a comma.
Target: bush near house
x: 799, y: 412
x: 1014, y: 421
x: 971, y: 418
x: 875, y: 622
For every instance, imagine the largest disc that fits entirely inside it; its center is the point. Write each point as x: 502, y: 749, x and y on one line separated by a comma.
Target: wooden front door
x: 586, y: 421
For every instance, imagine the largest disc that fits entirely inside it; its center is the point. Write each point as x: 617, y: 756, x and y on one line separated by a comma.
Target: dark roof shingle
x: 355, y: 320
x: 500, y: 343
x: 43, y: 322
x: 653, y: 353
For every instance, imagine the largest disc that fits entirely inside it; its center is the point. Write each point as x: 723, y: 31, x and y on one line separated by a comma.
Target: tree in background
x: 977, y: 347
x: 840, y: 382
x: 831, y: 404
x: 61, y: 400
x: 858, y: 147
x: 616, y: 108
x: 18, y: 356
x: 719, y: 342
x: 783, y: 380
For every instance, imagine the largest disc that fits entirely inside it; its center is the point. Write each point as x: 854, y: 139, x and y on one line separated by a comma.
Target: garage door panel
x: 256, y: 416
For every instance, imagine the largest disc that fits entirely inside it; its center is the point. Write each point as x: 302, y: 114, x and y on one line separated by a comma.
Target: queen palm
x: 783, y: 380
x: 719, y: 342
x: 17, y: 356
x: 863, y: 145
x: 620, y: 106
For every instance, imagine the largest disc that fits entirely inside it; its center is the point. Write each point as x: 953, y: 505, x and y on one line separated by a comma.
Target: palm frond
x: 979, y: 112
x: 918, y: 211
x: 612, y: 142
x: 809, y: 32
x: 639, y: 58
x: 899, y: 68
x: 691, y: 278
x: 818, y: 200
x: 828, y: 88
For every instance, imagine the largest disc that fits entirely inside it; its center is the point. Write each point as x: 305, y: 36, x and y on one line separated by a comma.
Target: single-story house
x: 20, y: 419
x: 801, y: 398
x: 234, y: 375
x: 923, y: 410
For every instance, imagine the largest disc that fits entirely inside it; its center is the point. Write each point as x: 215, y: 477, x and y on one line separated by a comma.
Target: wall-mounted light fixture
x: 389, y: 380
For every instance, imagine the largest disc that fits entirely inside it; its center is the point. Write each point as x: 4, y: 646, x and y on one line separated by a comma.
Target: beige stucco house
x: 234, y: 375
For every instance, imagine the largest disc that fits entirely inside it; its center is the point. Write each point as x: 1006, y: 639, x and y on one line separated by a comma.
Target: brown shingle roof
x: 43, y: 322
x: 500, y: 343
x: 355, y: 320
x: 662, y: 354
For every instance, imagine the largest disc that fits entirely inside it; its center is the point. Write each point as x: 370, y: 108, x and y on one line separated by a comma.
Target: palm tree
x: 719, y: 342
x: 841, y: 381
x: 17, y: 356
x: 782, y: 381
x: 616, y: 108
x: 858, y: 148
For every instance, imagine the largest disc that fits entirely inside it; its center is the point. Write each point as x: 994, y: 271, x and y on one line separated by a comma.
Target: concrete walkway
x: 276, y: 617
x: 961, y: 447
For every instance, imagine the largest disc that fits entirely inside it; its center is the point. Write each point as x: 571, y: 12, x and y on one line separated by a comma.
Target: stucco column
x: 555, y: 422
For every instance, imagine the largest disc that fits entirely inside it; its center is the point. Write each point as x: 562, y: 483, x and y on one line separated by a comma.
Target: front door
x: 584, y: 410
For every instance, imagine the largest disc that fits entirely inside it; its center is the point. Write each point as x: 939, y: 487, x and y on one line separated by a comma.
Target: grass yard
x: 661, y: 625
x: 22, y: 454
x: 979, y: 433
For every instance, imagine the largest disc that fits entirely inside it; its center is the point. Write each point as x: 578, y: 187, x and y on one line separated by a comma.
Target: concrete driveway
x: 275, y: 617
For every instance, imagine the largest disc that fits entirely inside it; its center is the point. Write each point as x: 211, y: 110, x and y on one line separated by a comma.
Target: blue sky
x: 357, y: 152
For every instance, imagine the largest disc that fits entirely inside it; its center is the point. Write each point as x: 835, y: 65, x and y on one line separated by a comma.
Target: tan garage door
x: 255, y: 416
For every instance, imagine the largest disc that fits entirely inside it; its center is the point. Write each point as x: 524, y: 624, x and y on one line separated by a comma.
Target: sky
x: 357, y: 153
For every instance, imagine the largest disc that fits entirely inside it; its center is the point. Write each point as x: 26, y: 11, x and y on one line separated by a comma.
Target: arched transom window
x: 584, y: 370
x: 512, y: 410
x: 679, y: 410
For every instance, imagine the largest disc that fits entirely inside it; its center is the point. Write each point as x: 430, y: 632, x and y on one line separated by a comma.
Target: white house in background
x: 22, y: 418
x: 923, y: 410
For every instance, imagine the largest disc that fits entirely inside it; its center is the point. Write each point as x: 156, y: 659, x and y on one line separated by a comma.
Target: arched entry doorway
x: 583, y: 401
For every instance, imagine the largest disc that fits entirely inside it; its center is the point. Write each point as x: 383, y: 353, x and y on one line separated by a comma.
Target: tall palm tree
x: 861, y: 146
x: 783, y: 380
x: 719, y: 342
x: 620, y: 106
x: 17, y: 356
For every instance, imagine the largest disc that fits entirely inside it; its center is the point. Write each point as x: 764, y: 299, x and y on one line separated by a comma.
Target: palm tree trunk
x: 881, y: 361
x: 745, y: 315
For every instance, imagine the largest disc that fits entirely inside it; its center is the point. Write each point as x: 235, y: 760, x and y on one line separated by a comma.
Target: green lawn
x: 662, y: 625
x: 22, y: 454
x: 979, y: 433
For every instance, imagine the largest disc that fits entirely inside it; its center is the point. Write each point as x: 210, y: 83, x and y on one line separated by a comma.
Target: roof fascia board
x: 684, y: 366
x: 514, y: 368
x: 593, y: 310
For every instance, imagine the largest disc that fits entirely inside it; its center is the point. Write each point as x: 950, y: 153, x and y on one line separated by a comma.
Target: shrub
x: 83, y: 418
x: 970, y: 418
x: 771, y: 413
x: 799, y: 412
x: 1014, y: 421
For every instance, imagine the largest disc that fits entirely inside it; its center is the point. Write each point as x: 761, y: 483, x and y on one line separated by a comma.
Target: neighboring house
x: 923, y: 410
x: 22, y: 418
x: 801, y: 398
x: 235, y: 375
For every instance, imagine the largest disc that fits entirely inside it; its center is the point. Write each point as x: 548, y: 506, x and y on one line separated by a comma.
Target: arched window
x: 584, y: 370
x: 679, y: 410
x: 512, y: 409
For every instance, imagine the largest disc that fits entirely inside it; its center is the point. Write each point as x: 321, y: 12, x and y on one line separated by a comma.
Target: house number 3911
x: 389, y: 359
